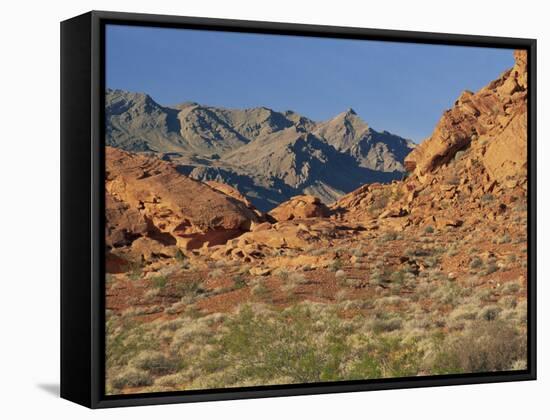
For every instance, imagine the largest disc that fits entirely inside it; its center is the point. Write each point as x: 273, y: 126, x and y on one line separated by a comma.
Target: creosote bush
x: 159, y: 282
x: 486, y: 346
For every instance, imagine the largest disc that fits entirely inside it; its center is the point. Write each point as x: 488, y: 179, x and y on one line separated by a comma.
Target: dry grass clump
x: 155, y: 362
x: 131, y: 377
x: 486, y: 346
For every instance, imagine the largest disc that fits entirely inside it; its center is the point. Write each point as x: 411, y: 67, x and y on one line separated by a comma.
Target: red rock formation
x: 495, y: 116
x: 149, y: 197
x: 300, y: 207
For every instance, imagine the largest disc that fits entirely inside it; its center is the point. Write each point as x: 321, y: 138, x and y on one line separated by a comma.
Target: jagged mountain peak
x: 271, y: 155
x: 118, y: 101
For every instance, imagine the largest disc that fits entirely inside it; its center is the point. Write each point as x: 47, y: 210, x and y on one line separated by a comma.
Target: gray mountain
x: 267, y: 155
x: 380, y: 151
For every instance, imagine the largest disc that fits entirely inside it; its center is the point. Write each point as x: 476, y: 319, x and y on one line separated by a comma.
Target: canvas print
x: 295, y: 210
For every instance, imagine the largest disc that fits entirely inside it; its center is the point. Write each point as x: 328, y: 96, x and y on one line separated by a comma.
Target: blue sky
x: 399, y: 87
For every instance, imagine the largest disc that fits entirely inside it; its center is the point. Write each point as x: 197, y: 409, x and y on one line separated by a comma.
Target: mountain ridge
x: 268, y: 155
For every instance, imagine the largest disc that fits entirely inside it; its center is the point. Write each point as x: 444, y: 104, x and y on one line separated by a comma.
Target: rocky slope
x: 269, y: 156
x: 491, y: 122
x: 153, y: 210
x: 472, y: 167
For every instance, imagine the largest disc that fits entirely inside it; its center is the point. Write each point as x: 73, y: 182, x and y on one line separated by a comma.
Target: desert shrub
x: 381, y: 200
x: 336, y: 264
x: 432, y: 261
x: 389, y: 236
x: 276, y: 345
x: 397, y: 194
x: 486, y: 198
x: 259, y: 290
x: 459, y: 154
x: 239, y: 282
x: 220, y: 264
x: 452, y: 180
x: 379, y: 325
x: 484, y: 294
x: 388, y: 301
x: 131, y: 377
x: 358, y: 252
x: 159, y: 281
x: 151, y: 294
x: 340, y: 274
x: 172, y: 380
x: 504, y: 239
x: 218, y: 272
x: 429, y: 229
x: 398, y: 277
x: 418, y: 252
x: 180, y: 256
x: 124, y: 341
x: 511, y: 287
x: 353, y: 282
x: 511, y: 258
x: 155, y: 362
x: 489, y: 313
x: 453, y: 250
x: 318, y: 251
x: 380, y: 277
x: 486, y: 346
x: 387, y: 357
x: 448, y: 293
x: 135, y: 270
x: 509, y: 302
x: 289, y: 288
x: 519, y: 365
x: 476, y: 262
x: 297, y: 278
x: 341, y: 295
x: 521, y: 311
x: 189, y: 288
x: 281, y: 272
x: 465, y: 312
x: 490, y: 269
x: 176, y: 307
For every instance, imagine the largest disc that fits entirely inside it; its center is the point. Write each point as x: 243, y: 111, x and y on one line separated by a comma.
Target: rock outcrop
x: 474, y: 162
x: 300, y: 207
x: 147, y: 197
x: 493, y: 121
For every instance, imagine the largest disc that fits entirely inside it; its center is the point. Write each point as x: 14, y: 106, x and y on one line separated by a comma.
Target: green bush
x: 490, y: 313
x: 486, y: 346
x: 159, y: 282
x: 476, y: 262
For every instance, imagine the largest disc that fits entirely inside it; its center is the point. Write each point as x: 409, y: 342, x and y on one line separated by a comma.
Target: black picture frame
x: 82, y: 208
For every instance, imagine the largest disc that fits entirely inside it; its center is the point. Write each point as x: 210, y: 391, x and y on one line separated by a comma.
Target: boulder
x: 300, y: 207
x: 149, y: 197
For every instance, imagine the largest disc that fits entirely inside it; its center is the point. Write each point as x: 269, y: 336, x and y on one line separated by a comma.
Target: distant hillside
x: 269, y: 156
